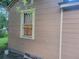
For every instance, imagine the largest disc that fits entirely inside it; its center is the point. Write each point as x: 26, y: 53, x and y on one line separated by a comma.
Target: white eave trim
x: 69, y: 4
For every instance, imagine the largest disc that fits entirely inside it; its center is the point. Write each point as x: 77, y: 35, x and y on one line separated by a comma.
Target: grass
x: 3, y: 42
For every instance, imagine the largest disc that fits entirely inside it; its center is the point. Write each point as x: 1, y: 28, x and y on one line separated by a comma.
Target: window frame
x: 22, y: 24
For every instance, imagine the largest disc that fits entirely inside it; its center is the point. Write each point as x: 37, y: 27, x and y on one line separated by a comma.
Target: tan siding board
x: 70, y: 35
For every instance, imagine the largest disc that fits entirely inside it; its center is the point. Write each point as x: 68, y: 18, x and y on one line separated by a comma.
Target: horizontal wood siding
x: 71, y: 35
x: 46, y: 43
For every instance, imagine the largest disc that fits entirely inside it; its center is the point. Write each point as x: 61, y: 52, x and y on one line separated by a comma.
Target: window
x: 27, y: 24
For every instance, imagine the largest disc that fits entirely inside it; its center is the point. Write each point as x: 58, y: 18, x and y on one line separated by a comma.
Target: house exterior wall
x: 47, y: 31
x: 71, y: 35
x: 47, y: 22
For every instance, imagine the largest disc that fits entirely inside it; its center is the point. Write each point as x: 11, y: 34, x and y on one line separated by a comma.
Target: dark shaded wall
x: 46, y: 43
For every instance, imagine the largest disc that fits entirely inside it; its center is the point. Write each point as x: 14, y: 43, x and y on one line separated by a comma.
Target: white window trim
x: 22, y: 24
